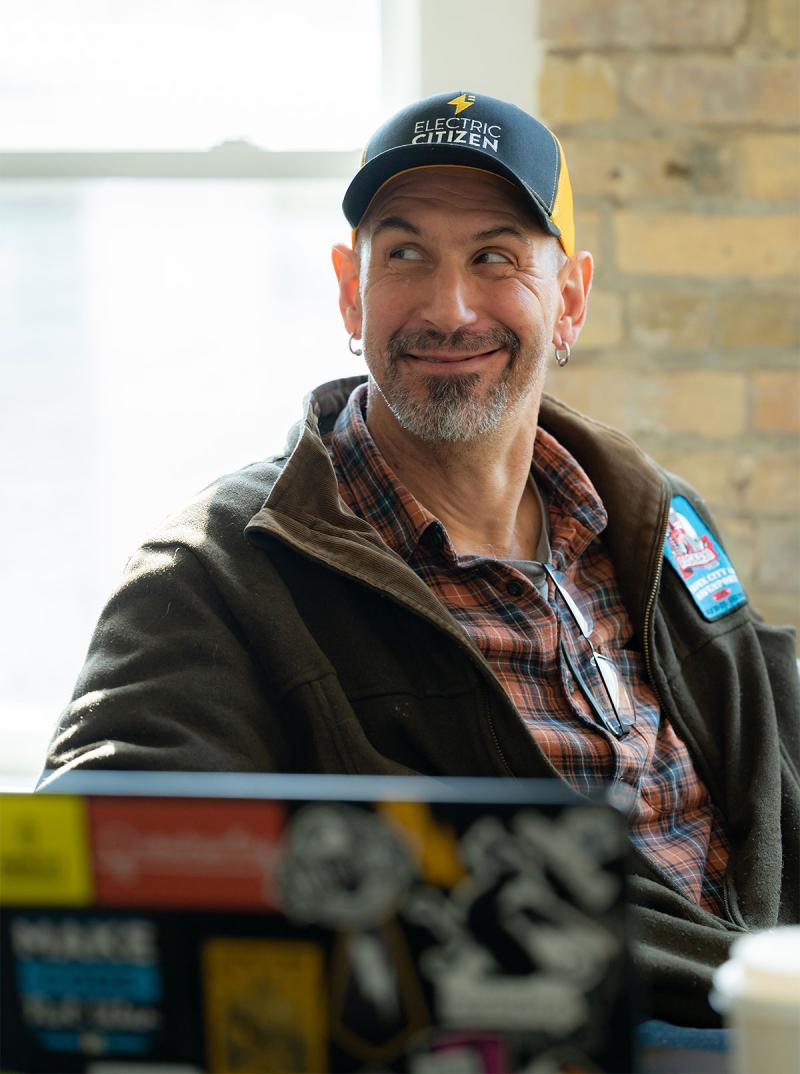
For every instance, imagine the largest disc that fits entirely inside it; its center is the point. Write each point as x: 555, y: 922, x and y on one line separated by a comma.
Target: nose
x: 449, y: 302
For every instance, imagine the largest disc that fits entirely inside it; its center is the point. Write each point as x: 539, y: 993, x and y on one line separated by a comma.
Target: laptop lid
x: 226, y: 922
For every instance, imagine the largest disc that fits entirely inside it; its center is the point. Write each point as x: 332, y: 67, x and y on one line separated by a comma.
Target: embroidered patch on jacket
x: 701, y: 561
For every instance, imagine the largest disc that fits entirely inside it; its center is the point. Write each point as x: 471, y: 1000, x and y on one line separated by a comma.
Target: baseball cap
x: 475, y: 131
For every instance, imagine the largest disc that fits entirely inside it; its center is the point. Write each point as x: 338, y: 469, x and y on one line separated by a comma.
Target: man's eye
x: 492, y: 257
x: 406, y: 253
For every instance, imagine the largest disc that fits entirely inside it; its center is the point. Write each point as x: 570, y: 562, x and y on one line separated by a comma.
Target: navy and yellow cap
x: 475, y: 131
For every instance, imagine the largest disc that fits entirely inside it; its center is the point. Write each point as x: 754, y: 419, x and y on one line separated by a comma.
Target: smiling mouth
x: 451, y: 359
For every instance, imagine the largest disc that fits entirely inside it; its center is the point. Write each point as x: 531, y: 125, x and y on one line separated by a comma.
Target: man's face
x: 458, y: 294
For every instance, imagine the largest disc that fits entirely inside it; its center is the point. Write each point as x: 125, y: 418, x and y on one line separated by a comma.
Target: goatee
x: 450, y: 410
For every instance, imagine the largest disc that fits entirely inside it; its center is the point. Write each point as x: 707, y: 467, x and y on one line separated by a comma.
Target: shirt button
x: 514, y: 588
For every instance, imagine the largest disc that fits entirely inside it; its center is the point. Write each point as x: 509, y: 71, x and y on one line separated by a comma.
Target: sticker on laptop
x: 265, y: 1006
x: 701, y: 562
x: 344, y: 867
x: 44, y: 851
x: 162, y: 853
x: 88, y: 983
x: 433, y: 843
x: 466, y: 1053
x: 377, y: 1003
x: 525, y: 944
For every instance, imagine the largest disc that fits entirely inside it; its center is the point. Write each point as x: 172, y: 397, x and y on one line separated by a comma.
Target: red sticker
x: 184, y: 852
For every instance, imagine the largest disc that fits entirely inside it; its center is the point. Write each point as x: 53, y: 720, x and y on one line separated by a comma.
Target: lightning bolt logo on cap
x: 496, y: 137
x: 466, y: 100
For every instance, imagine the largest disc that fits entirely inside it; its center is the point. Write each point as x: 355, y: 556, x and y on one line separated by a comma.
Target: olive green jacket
x: 267, y: 628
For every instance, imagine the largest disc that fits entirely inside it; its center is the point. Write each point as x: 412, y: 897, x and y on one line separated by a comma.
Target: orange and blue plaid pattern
x: 674, y: 822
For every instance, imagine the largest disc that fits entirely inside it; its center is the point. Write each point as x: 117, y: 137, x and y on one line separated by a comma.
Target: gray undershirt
x: 532, y: 568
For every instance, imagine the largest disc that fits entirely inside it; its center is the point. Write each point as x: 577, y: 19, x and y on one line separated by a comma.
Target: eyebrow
x: 394, y: 222
x: 496, y: 232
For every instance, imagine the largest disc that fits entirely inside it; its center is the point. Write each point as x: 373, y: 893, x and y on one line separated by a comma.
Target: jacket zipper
x: 495, y: 739
x: 726, y: 892
x: 651, y: 602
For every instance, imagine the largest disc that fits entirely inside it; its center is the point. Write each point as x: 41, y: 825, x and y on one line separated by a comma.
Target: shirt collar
x: 577, y: 514
x: 368, y: 484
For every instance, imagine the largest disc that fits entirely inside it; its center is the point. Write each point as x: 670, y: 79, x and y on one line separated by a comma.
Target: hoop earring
x: 562, y: 355
x: 357, y: 351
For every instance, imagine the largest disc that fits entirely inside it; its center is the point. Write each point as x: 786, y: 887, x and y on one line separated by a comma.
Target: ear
x: 575, y: 282
x: 345, y: 265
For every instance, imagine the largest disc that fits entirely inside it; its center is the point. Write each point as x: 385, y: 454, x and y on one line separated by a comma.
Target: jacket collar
x: 304, y: 507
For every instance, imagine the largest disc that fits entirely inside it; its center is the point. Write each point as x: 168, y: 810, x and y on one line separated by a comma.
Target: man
x: 449, y: 573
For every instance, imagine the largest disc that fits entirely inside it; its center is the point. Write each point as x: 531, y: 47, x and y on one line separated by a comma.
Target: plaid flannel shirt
x: 674, y: 822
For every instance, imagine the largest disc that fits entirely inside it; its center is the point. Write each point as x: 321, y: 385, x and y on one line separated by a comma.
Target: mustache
x: 461, y: 340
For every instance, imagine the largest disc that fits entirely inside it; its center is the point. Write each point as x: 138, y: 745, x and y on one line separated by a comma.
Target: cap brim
x: 372, y: 176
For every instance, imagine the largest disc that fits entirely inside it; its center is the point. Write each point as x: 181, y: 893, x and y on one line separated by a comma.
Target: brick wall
x: 680, y: 125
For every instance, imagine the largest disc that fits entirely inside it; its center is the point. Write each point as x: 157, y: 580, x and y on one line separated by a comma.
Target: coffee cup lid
x: 762, y: 966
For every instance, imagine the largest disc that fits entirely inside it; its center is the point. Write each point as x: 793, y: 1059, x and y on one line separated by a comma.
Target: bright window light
x: 152, y: 337
x: 157, y: 333
x: 188, y: 74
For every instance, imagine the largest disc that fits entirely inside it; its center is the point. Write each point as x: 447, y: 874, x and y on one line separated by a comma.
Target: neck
x: 478, y: 490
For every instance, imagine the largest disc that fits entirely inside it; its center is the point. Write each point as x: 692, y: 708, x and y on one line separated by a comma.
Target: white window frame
x: 427, y: 46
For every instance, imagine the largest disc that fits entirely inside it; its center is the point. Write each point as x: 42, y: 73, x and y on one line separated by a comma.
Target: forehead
x: 448, y: 191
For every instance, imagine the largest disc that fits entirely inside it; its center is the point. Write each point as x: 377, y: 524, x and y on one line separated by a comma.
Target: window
x: 188, y: 74
x: 156, y: 332
x: 172, y: 174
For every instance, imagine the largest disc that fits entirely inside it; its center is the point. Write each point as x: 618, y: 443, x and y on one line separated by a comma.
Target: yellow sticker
x: 265, y: 1006
x: 44, y: 851
x: 435, y: 845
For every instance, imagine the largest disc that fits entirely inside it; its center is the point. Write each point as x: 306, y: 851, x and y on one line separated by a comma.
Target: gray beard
x: 450, y: 412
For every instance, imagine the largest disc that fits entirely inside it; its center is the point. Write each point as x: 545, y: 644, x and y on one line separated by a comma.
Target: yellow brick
x: 715, y: 472
x: 778, y: 609
x: 677, y: 244
x: 756, y: 320
x: 572, y: 24
x: 670, y: 319
x: 738, y: 540
x: 715, y: 90
x: 783, y: 23
x: 704, y: 403
x: 603, y: 326
x: 777, y: 555
x: 578, y: 91
x: 588, y: 231
x: 776, y: 401
x: 605, y: 394
x: 632, y: 168
x: 771, y: 166
x: 774, y: 483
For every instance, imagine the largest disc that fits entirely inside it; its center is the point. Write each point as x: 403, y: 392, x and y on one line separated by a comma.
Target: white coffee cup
x: 758, y: 992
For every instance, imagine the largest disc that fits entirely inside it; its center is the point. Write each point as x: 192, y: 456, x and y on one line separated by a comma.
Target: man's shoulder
x: 619, y: 451
x: 218, y: 514
x: 213, y: 522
